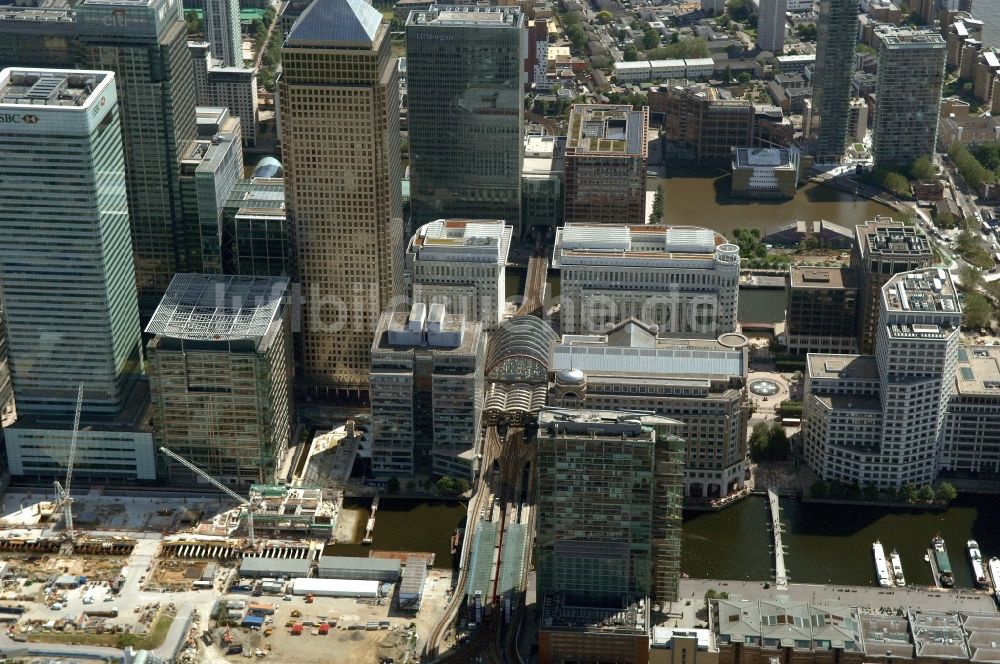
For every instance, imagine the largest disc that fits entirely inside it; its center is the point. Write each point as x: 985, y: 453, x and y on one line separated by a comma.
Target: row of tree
x: 449, y: 486
x: 909, y: 493
x: 769, y: 443
x: 970, y: 167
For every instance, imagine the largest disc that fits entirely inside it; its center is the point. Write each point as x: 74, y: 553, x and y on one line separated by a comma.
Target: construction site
x: 192, y: 578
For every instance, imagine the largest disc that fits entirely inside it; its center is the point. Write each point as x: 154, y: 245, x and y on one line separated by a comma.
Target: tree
x: 806, y: 32
x: 392, y: 486
x: 871, y: 492
x: 896, y: 183
x: 945, y: 220
x: 908, y: 493
x: 631, y: 53
x: 656, y: 216
x: 925, y: 494
x: 411, y: 486
x: 970, y: 278
x: 604, y: 17
x: 976, y: 311
x: 675, y: 38
x: 739, y: 10
x: 743, y: 78
x: 922, y: 169
x: 195, y: 24
x: 650, y: 39
x: 945, y: 492
x: 778, y: 446
x: 819, y: 489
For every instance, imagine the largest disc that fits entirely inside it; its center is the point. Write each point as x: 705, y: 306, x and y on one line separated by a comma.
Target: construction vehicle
x: 296, y: 613
x: 310, y: 598
x: 63, y: 499
x: 268, y: 631
x: 247, y: 505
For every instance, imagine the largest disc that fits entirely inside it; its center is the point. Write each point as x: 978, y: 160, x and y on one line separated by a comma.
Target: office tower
x: 606, y: 151
x: 256, y: 239
x: 771, y: 25
x: 971, y: 437
x: 878, y: 420
x: 542, y: 176
x: 38, y: 36
x: 210, y: 168
x: 427, y: 392
x: 462, y: 265
x: 232, y: 87
x: 222, y: 30
x: 143, y: 43
x: 696, y: 120
x: 910, y: 76
x: 683, y: 279
x: 882, y: 248
x: 836, y: 36
x: 220, y: 368
x: 822, y: 310
x: 699, y: 382
x: 68, y: 286
x: 465, y: 77
x: 609, y: 538
x: 339, y: 128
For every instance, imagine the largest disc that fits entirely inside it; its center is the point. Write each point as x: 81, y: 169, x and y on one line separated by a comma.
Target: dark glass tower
x: 144, y: 43
x: 836, y: 39
x: 465, y: 77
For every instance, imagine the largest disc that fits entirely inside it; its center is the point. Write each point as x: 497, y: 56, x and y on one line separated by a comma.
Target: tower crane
x: 222, y: 487
x: 63, y: 499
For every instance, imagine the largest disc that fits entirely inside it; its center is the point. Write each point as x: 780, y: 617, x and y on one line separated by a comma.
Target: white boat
x: 897, y: 569
x: 994, y: 567
x: 976, y: 560
x: 881, y: 566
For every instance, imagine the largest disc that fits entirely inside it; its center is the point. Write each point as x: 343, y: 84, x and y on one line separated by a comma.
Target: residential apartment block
x: 426, y: 392
x: 606, y: 152
x: 970, y: 446
x: 683, y: 279
x: 698, y: 382
x: 221, y: 370
x: 461, y: 264
x: 836, y: 37
x: 911, y: 66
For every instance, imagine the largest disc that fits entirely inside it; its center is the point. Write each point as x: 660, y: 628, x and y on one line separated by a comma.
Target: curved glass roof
x: 520, y: 351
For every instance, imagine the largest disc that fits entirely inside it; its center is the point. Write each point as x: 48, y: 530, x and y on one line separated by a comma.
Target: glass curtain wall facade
x: 145, y: 44
x: 465, y: 77
x: 68, y: 285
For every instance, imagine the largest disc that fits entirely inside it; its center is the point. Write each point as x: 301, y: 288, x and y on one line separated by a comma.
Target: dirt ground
x: 350, y: 646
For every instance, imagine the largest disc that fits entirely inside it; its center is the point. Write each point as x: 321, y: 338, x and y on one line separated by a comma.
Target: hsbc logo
x: 10, y: 118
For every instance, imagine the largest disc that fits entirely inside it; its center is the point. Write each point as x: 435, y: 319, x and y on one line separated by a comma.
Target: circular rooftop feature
x: 268, y: 167
x: 764, y: 387
x: 733, y: 340
x: 570, y: 377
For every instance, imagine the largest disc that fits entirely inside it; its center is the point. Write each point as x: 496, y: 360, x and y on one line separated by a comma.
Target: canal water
x: 404, y: 525
x: 833, y: 543
x: 701, y: 197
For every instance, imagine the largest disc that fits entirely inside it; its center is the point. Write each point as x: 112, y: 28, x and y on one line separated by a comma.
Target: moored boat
x: 945, y: 576
x: 881, y: 566
x: 976, y: 561
x: 897, y: 569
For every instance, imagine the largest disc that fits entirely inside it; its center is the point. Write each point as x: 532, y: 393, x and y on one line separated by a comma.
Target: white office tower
x: 66, y: 274
x: 771, y: 25
x: 683, y: 279
x: 461, y: 264
x: 877, y: 421
x: 222, y: 30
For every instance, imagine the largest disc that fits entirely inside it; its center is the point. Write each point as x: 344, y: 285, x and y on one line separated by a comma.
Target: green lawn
x: 978, y: 257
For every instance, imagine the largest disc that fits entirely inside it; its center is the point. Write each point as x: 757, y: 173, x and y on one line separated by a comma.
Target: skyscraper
x: 222, y: 30
x: 771, y: 25
x: 837, y: 32
x: 910, y: 75
x: 339, y: 128
x: 66, y: 276
x: 65, y: 261
x: 144, y: 43
x: 465, y: 76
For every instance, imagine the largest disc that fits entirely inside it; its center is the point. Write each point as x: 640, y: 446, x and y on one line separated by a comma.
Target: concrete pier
x: 780, y: 576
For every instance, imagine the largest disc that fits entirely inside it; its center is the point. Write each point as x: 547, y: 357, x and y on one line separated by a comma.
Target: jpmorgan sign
x: 15, y: 118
